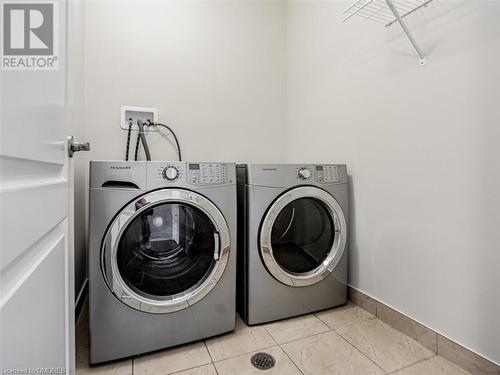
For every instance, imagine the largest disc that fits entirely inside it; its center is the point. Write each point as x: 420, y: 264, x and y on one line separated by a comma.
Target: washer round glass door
x: 303, y: 236
x: 165, y: 250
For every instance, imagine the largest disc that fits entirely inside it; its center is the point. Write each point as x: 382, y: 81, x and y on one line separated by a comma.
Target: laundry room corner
x: 422, y: 145
x: 213, y: 86
x: 214, y: 71
x: 226, y: 187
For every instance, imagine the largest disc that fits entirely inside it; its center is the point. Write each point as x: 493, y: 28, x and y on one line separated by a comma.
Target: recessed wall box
x: 137, y: 113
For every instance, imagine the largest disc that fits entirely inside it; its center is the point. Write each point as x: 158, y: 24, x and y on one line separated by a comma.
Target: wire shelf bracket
x: 388, y: 12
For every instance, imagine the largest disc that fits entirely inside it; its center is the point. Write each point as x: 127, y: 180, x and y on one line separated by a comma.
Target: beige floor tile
x: 434, y: 366
x: 203, y: 370
x: 82, y: 353
x: 82, y: 344
x: 389, y: 348
x: 243, y: 340
x: 329, y: 354
x: 295, y: 328
x: 343, y: 316
x: 172, y: 360
x: 362, y: 300
x: 241, y: 365
x: 415, y: 330
x: 114, y: 368
x: 468, y: 360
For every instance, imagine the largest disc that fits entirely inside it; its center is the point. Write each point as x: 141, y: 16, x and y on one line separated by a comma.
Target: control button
x: 170, y: 173
x: 304, y: 173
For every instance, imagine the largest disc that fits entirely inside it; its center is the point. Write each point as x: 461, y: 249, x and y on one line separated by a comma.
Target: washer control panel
x: 183, y: 174
x: 207, y: 173
x: 329, y: 173
x: 170, y: 173
x: 304, y: 173
x: 165, y: 173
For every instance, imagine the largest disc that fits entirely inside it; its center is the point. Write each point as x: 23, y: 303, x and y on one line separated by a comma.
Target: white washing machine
x: 162, y: 260
x: 292, y: 239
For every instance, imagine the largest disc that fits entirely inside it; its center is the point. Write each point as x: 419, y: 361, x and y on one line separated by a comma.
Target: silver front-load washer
x: 292, y: 239
x: 162, y: 259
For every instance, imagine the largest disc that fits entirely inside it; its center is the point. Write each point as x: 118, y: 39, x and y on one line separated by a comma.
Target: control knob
x: 170, y: 173
x: 304, y: 173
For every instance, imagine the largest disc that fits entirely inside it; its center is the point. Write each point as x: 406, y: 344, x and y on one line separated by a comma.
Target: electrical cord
x: 179, y: 154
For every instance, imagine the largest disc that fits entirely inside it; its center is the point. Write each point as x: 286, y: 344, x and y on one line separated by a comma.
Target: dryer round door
x: 165, y: 250
x: 303, y: 236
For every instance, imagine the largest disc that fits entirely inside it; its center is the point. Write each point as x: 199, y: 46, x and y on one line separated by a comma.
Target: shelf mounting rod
x: 406, y: 30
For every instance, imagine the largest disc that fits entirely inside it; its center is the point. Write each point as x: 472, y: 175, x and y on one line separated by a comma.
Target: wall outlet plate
x: 137, y: 113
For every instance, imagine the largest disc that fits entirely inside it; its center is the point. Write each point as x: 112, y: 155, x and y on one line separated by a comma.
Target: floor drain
x: 262, y: 361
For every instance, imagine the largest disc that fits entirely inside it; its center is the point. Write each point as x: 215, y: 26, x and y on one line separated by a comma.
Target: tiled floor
x: 345, y: 340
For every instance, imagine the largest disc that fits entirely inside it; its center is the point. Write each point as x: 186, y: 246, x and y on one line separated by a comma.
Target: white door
x: 36, y: 221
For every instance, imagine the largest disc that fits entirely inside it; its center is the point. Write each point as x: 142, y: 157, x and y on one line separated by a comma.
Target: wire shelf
x: 378, y: 10
x: 388, y: 12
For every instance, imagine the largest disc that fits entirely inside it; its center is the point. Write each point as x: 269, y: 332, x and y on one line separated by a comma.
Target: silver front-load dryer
x: 292, y: 239
x: 162, y: 262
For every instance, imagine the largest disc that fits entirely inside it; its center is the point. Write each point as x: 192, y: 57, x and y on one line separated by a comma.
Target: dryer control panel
x: 288, y: 175
x: 329, y: 173
x: 164, y: 174
x: 207, y: 173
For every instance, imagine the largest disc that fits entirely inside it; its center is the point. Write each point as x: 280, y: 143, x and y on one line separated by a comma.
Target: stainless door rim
x: 180, y: 300
x: 335, y: 252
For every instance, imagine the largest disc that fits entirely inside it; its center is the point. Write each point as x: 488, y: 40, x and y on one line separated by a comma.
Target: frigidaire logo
x: 30, y: 35
x: 269, y: 169
x: 119, y: 167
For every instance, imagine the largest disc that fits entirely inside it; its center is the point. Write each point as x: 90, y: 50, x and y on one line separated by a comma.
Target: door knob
x: 74, y: 146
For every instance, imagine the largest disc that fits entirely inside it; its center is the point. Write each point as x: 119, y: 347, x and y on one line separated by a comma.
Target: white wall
x: 422, y: 144
x: 423, y: 148
x: 77, y: 117
x: 214, y: 70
